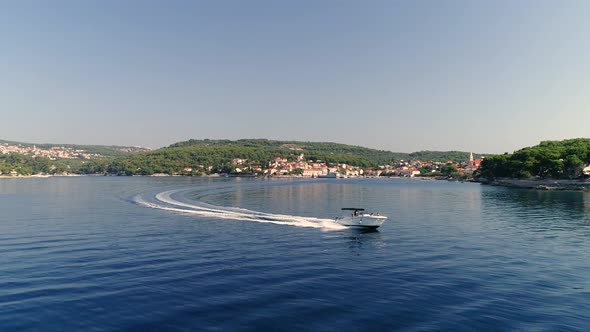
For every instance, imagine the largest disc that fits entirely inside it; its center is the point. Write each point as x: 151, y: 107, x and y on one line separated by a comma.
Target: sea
x: 249, y: 254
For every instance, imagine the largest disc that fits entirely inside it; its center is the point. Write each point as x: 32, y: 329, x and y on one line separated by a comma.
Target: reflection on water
x: 360, y: 231
x: 566, y: 200
x: 538, y: 210
x: 360, y: 239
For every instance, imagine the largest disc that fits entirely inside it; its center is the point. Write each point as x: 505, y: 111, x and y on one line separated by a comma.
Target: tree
x: 448, y: 170
x: 297, y: 171
x: 573, y: 165
x: 424, y: 171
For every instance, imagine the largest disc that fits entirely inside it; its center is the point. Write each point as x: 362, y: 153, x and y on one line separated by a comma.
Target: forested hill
x: 549, y: 159
x: 318, y: 148
x: 442, y: 156
x: 325, y: 151
x: 218, y: 156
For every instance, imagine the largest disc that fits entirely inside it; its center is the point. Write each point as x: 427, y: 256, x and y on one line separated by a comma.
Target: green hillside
x: 325, y: 151
x: 442, y: 156
x: 27, y: 165
x: 216, y: 156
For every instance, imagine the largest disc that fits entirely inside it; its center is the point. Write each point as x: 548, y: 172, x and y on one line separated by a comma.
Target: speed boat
x: 361, y: 219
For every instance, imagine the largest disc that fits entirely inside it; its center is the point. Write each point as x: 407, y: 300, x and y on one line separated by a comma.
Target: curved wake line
x: 236, y: 213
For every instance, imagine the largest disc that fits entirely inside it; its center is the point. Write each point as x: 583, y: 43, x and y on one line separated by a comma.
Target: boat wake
x: 165, y: 201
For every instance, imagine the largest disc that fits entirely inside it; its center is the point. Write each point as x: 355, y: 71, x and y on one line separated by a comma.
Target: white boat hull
x: 364, y: 221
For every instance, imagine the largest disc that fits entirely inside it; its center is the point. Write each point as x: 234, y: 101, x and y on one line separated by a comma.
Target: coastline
x: 216, y: 175
x: 34, y: 176
x: 540, y: 184
x: 537, y: 184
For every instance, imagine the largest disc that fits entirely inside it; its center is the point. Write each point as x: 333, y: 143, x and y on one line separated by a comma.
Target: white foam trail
x: 237, y: 213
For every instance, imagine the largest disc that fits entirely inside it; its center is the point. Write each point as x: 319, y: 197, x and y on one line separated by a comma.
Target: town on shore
x: 51, y: 153
x: 309, y: 168
x: 294, y: 166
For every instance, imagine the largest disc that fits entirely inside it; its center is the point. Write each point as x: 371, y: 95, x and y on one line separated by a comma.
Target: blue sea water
x: 213, y: 254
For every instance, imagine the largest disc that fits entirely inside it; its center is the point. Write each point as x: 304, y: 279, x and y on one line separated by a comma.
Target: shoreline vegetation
x: 550, y: 165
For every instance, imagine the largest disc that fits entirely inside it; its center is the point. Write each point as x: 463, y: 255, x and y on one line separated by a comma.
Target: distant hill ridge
x: 314, y: 148
x: 310, y: 149
x: 103, y: 150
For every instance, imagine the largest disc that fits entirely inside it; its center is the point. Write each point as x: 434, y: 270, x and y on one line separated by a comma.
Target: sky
x: 482, y: 76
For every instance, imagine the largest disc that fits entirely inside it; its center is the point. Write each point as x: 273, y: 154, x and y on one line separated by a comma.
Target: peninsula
x: 561, y: 165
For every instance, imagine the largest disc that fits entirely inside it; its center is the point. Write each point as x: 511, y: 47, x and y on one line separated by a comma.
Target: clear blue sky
x: 485, y: 76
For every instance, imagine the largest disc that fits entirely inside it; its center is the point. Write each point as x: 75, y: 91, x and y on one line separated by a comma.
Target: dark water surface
x: 140, y: 253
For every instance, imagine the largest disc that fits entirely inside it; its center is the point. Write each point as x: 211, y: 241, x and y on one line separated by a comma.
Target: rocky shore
x: 542, y: 184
